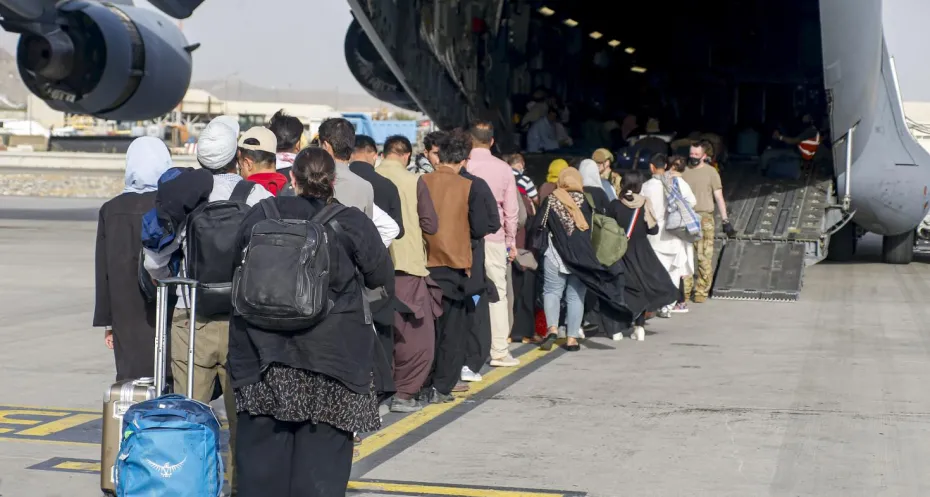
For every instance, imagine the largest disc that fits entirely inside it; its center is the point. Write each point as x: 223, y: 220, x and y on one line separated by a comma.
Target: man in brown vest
x: 449, y: 258
x: 414, y: 333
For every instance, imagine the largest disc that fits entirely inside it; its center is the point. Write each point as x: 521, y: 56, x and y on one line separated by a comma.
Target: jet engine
x: 371, y: 71
x: 114, y: 62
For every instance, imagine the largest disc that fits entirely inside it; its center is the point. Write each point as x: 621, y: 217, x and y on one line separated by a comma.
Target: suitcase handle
x: 174, y: 280
x: 161, y: 332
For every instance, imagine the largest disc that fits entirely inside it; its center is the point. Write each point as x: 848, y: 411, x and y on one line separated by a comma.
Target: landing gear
x: 898, y: 249
x: 843, y: 244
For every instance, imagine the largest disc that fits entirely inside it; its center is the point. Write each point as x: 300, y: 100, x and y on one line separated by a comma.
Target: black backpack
x: 283, y: 282
x: 211, y: 249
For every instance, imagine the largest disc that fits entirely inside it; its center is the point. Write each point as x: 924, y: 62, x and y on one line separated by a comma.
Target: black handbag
x: 539, y: 240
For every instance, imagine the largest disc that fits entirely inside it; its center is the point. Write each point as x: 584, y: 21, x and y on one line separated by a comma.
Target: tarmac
x: 821, y: 397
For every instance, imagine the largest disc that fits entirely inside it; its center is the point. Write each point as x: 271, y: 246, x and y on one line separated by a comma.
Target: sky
x: 298, y: 43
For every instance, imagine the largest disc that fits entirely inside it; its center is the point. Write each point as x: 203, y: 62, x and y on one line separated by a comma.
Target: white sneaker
x: 469, y: 375
x: 506, y: 362
x: 581, y: 333
x: 562, y: 332
x: 639, y: 333
x: 617, y: 336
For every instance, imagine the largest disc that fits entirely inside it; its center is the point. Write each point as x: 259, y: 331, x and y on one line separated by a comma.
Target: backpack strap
x: 590, y: 199
x: 325, y: 217
x: 241, y: 191
x: 270, y: 208
x: 633, y: 219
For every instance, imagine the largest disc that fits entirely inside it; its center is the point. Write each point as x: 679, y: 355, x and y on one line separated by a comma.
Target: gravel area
x: 61, y: 184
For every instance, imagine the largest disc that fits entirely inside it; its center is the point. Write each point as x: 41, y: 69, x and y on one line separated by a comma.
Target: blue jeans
x: 555, y: 285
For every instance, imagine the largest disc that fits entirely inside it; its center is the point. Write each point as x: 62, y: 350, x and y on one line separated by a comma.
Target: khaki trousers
x: 211, y: 346
x: 496, y: 265
x: 704, y: 251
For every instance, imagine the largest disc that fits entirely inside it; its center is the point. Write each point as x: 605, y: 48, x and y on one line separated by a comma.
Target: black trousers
x: 451, y: 332
x: 478, y: 341
x: 386, y: 335
x: 524, y: 305
x: 280, y: 459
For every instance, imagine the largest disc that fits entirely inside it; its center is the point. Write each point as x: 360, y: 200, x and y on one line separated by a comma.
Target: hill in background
x: 237, y: 89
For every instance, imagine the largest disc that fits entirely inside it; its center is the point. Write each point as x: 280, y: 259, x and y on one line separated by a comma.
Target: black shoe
x: 549, y: 341
x: 573, y: 348
x: 440, y: 398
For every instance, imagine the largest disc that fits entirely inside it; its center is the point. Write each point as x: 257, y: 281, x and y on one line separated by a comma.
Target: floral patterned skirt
x: 296, y: 395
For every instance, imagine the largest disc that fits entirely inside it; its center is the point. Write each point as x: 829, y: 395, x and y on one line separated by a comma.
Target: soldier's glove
x: 728, y: 229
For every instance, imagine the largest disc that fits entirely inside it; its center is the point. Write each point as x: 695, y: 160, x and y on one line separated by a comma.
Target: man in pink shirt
x: 499, y: 248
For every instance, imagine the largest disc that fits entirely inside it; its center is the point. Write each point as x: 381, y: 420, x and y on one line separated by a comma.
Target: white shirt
x: 541, y: 137
x: 675, y: 253
x: 387, y: 226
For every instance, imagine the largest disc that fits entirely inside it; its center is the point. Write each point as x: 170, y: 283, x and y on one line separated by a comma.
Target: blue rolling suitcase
x: 171, y: 444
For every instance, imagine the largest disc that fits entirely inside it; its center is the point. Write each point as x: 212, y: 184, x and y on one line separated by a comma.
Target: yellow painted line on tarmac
x: 45, y: 410
x: 5, y: 414
x: 78, y: 466
x: 443, y: 490
x: 56, y: 426
x: 88, y: 466
x: 381, y: 439
x: 50, y: 442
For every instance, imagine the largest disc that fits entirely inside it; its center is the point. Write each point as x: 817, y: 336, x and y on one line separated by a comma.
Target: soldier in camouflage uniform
x: 704, y: 180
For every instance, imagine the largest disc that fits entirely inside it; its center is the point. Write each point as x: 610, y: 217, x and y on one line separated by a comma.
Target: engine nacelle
x: 371, y: 71
x: 113, y: 62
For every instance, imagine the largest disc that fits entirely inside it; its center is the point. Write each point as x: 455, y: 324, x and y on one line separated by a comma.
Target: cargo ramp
x: 779, y: 224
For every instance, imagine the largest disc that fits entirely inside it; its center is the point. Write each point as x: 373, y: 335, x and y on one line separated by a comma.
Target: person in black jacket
x: 120, y: 306
x: 478, y: 343
x: 647, y: 285
x: 462, y: 219
x: 362, y: 163
x: 300, y: 395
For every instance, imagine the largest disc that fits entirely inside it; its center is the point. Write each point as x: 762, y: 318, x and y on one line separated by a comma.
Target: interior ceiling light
x: 546, y: 11
x: 614, y: 43
x: 638, y: 69
x: 570, y: 23
x: 596, y: 35
x: 629, y: 50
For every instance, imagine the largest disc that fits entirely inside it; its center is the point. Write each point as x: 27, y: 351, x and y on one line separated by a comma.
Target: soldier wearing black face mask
x: 704, y: 180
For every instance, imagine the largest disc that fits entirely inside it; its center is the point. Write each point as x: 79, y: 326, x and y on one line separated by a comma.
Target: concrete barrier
x: 75, y: 161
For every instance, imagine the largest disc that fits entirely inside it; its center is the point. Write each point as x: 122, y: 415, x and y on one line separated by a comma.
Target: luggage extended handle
x: 175, y: 280
x: 161, y: 332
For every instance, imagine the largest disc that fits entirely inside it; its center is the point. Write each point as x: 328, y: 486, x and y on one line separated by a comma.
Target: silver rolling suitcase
x: 123, y: 394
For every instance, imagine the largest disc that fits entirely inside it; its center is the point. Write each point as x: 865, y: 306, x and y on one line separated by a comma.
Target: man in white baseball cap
x: 217, y: 152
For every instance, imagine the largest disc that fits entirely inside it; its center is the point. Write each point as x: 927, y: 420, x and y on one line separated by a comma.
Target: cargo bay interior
x: 714, y: 66
x: 711, y: 66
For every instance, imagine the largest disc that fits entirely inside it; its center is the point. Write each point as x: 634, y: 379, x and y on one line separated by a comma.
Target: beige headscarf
x: 570, y: 183
x: 637, y: 201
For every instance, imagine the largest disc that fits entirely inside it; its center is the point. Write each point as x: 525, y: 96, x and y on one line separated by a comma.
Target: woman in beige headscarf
x: 647, y: 285
x: 564, y: 205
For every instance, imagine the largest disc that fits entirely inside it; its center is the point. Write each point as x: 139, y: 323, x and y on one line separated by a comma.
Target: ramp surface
x: 779, y: 223
x: 760, y: 270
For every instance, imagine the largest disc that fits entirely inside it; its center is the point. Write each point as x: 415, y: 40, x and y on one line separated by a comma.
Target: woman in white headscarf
x: 120, y: 306
x: 593, y: 186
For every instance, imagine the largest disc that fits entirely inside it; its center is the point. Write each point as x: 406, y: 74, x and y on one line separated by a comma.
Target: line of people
x: 435, y: 270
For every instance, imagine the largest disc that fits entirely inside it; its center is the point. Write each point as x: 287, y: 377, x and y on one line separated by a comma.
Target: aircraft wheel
x: 843, y: 244
x: 898, y: 249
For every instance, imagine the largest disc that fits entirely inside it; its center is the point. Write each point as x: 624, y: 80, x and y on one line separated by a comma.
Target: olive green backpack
x: 608, y: 238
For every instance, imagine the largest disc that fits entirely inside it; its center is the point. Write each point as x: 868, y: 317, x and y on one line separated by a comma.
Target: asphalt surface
x: 822, y: 397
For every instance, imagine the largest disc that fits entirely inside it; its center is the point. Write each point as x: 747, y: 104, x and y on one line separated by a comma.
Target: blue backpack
x: 171, y: 446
